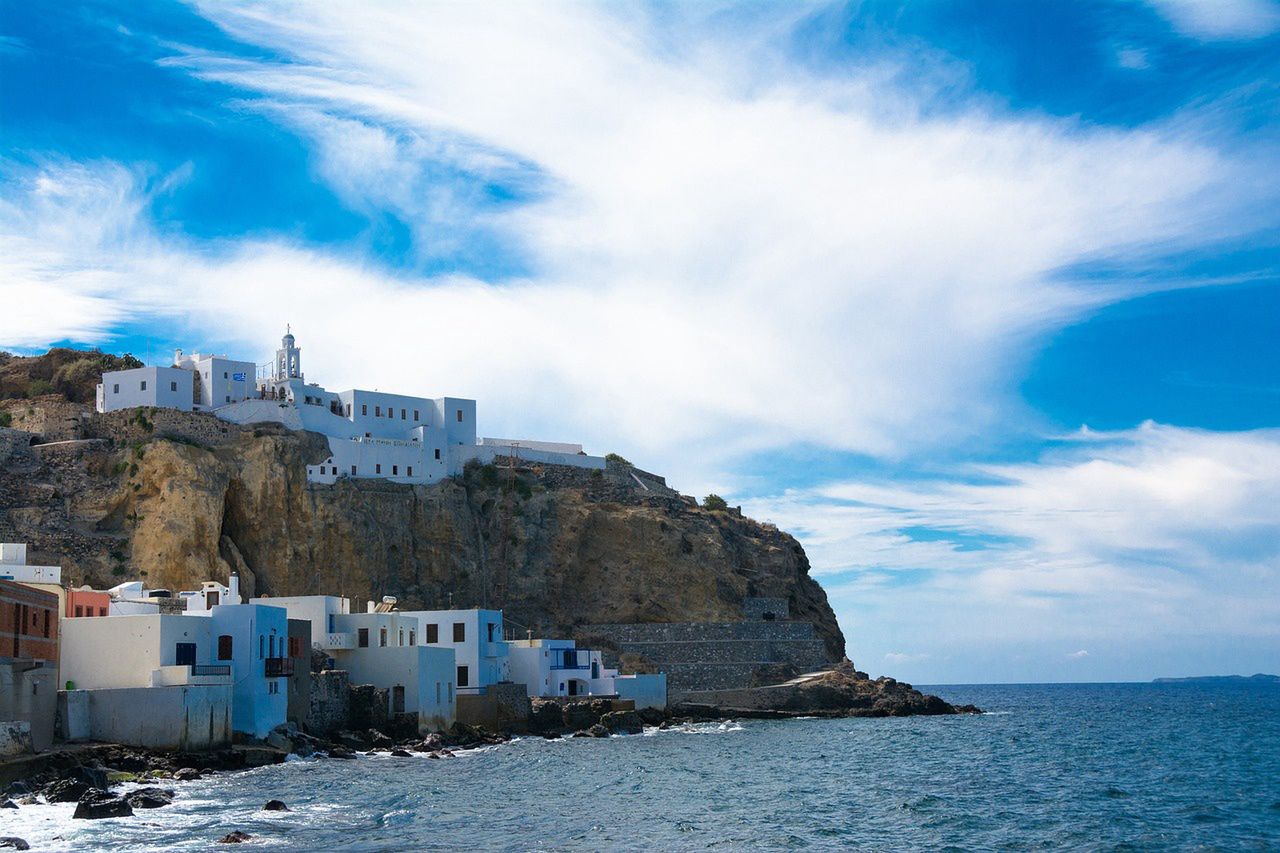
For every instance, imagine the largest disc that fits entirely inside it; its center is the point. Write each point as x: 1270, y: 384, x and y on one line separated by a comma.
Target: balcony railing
x: 561, y: 660
x: 279, y: 667
x: 210, y: 669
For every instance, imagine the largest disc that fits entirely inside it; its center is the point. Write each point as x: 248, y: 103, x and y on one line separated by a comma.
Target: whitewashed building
x: 475, y: 636
x: 397, y: 437
x: 159, y: 387
x: 146, y: 680
x: 14, y: 567
x: 559, y: 668
x: 380, y: 647
x: 254, y: 640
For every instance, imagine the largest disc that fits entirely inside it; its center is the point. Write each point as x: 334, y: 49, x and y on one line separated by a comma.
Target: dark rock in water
x: 18, y: 788
x: 378, y: 740
x: 149, y: 798
x: 186, y: 774
x: 341, y: 752
x: 353, y: 740
x: 14, y: 842
x: 623, y: 722
x: 400, y: 753
x: 96, y: 804
x: 93, y: 777
x: 275, y: 806
x: 6, y: 803
x: 65, y: 791
x: 579, y: 716
x: 546, y: 717
x: 597, y: 731
x: 236, y: 837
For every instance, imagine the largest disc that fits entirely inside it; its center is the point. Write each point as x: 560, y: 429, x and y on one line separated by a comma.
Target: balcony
x: 340, y: 640
x: 279, y: 667
x: 210, y: 669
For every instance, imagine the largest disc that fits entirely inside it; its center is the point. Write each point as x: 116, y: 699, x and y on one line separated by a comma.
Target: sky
x: 980, y: 300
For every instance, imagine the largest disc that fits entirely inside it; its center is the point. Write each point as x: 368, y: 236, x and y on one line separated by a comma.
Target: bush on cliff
x: 715, y: 503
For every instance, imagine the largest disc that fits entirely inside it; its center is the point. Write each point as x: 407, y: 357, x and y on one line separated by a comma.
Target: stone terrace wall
x: 717, y: 655
x: 130, y: 425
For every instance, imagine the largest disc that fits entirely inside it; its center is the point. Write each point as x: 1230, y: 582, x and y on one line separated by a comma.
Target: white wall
x: 647, y: 691
x: 122, y: 651
x: 218, y: 385
x: 189, y: 717
x: 316, y: 609
x: 258, y: 632
x: 166, y: 387
x: 424, y: 672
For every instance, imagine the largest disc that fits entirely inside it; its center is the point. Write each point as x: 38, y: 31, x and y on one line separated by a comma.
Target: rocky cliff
x: 176, y: 498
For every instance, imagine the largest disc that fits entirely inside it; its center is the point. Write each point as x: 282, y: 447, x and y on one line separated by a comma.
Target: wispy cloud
x: 1221, y: 19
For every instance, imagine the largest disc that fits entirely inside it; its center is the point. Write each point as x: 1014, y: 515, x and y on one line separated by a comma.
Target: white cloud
x: 732, y: 252
x: 1149, y: 538
x: 1083, y: 653
x: 1221, y: 19
x: 898, y: 658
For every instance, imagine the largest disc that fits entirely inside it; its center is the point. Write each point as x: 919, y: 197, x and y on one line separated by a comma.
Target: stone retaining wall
x: 675, y: 632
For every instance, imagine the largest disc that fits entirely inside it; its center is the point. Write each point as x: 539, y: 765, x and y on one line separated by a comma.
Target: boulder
x: 12, y: 841
x: 236, y: 837
x: 597, y: 731
x: 149, y: 798
x: 186, y: 774
x: 378, y: 740
x: 275, y: 806
x: 579, y: 715
x: 546, y: 717
x: 341, y: 752
x: 92, y: 777
x: 400, y: 753
x: 96, y: 804
x: 353, y: 740
x: 279, y: 740
x: 6, y: 803
x: 65, y: 791
x: 623, y: 722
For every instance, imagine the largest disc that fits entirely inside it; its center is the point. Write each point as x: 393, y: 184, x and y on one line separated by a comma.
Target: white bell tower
x: 288, y: 359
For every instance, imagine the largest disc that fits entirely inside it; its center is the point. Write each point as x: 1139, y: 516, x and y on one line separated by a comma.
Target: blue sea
x: 1078, y: 767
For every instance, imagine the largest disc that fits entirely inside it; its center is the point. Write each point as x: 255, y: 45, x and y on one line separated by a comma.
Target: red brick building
x: 28, y: 622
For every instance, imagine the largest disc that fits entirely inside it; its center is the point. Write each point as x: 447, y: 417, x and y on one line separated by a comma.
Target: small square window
x: 459, y: 415
x: 143, y: 385
x: 377, y: 411
x: 353, y: 470
x: 403, y: 415
x: 395, y: 470
x: 377, y: 468
x: 415, y: 415
x: 459, y: 632
x: 364, y: 410
x: 115, y: 389
x: 437, y: 453
x: 433, y: 634
x: 173, y: 386
x: 410, y: 470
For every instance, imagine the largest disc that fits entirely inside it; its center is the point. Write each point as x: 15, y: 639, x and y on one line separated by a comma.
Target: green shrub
x: 5, y: 419
x: 39, y: 387
x: 614, y: 457
x: 715, y: 503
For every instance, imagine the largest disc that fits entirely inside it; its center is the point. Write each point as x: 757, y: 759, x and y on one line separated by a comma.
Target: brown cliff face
x: 553, y: 547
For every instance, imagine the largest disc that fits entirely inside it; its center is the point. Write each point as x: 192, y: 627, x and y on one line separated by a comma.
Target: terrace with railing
x: 279, y: 667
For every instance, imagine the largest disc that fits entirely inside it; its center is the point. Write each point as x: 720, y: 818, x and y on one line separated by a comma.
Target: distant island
x: 1256, y: 678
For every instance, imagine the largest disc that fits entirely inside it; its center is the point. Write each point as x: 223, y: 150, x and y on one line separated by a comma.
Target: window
x: 262, y: 646
x: 228, y: 398
x: 402, y: 636
x: 377, y: 411
x: 409, y: 470
x: 46, y: 624
x: 433, y: 634
x: 403, y: 415
x: 364, y: 410
x: 395, y: 470
x: 382, y: 637
x: 102, y: 611
x: 173, y: 386
x: 348, y: 410
x: 463, y: 677
x: 142, y: 386
x: 115, y: 388
x: 353, y: 470
x: 224, y: 647
x: 450, y: 691
x: 79, y: 610
x: 437, y: 453
x: 271, y: 646
x: 184, y: 654
x: 377, y: 468
x: 460, y: 633
x: 415, y: 415
x: 224, y: 374
x: 489, y: 628
x: 362, y: 638
x: 413, y: 637
x: 459, y: 415
x: 437, y: 693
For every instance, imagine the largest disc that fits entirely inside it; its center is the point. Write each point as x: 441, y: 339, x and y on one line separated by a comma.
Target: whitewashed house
x: 397, y: 437
x: 475, y: 636
x: 14, y: 567
x: 254, y: 640
x: 145, y: 680
x: 559, y: 668
x: 380, y: 647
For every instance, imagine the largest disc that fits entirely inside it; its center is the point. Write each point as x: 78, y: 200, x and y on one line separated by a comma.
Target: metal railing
x: 210, y: 669
x: 279, y: 667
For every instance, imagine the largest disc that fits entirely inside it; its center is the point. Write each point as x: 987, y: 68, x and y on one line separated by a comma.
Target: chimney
x: 233, y: 588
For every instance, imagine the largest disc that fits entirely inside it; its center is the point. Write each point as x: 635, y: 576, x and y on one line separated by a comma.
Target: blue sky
x: 979, y: 299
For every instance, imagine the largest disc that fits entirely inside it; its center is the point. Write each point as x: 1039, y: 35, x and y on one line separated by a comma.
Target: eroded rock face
x: 555, y: 548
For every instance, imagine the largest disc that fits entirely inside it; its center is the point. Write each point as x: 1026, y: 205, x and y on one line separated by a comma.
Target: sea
x: 1046, y: 767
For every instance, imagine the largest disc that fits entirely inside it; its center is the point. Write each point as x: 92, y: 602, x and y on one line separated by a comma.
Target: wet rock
x: 275, y: 806
x: 149, y: 798
x: 236, y: 837
x: 92, y: 777
x: 341, y: 752
x: 97, y: 804
x: 353, y: 740
x: 186, y: 774
x: 597, y: 731
x: 15, y: 843
x: 6, y: 803
x: 400, y: 753
x: 280, y: 741
x: 623, y: 722
x: 65, y: 791
x: 378, y: 740
x: 579, y: 716
x: 546, y: 716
